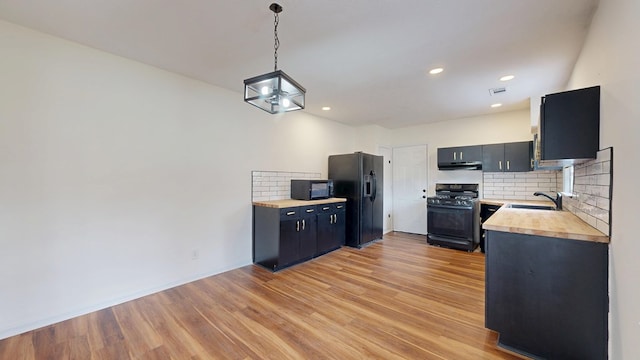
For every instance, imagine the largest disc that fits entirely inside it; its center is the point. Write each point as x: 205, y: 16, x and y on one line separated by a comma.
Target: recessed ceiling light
x: 436, y: 71
x: 326, y: 108
x: 507, y: 78
x: 496, y: 105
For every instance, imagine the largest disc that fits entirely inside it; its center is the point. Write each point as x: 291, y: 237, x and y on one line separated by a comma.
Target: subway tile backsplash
x: 591, y: 200
x: 275, y: 185
x: 520, y: 185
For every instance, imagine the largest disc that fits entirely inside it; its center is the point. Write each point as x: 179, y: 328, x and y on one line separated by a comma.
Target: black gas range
x: 453, y: 216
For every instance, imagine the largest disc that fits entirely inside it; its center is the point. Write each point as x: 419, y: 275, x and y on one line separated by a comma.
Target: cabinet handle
x: 298, y: 225
x: 291, y: 213
x: 330, y: 219
x: 500, y: 164
x: 335, y: 218
x: 508, y: 165
x: 454, y: 155
x: 325, y: 208
x: 310, y: 210
x: 460, y: 155
x: 340, y: 206
x: 303, y: 225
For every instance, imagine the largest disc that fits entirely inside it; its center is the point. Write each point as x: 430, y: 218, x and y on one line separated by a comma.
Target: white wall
x: 369, y: 138
x: 610, y: 58
x: 487, y: 129
x: 112, y: 173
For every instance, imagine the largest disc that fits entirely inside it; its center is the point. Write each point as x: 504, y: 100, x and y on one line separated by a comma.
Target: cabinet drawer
x: 331, y: 208
x: 291, y: 212
x: 298, y: 211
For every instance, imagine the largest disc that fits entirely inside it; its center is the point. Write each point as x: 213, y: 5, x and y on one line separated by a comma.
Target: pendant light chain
x: 276, y: 45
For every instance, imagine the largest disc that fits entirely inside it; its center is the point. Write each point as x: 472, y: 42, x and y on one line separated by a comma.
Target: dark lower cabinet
x: 298, y: 234
x: 486, y: 210
x: 287, y: 249
x: 331, y: 227
x: 286, y: 236
x: 547, y: 297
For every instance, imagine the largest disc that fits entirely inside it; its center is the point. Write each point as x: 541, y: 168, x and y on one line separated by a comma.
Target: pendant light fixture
x: 274, y: 92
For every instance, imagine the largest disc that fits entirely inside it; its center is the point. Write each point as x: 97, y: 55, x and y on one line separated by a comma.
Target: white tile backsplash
x: 275, y: 185
x: 519, y: 185
x: 591, y: 200
x: 591, y: 187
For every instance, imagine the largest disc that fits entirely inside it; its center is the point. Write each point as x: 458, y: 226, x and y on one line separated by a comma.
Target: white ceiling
x: 367, y: 59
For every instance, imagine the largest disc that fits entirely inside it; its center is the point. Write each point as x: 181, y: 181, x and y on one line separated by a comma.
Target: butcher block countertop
x: 286, y: 203
x: 558, y: 224
x: 527, y: 202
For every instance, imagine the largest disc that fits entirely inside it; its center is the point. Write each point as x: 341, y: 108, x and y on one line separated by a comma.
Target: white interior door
x: 410, y: 189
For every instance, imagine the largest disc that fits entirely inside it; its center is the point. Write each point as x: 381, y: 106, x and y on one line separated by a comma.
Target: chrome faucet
x: 557, y: 201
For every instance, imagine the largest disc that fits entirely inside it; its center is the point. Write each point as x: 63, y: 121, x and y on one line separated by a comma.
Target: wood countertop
x: 293, y: 203
x: 526, y: 202
x: 558, y: 224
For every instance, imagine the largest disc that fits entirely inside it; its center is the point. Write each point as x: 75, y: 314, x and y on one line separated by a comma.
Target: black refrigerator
x: 358, y: 178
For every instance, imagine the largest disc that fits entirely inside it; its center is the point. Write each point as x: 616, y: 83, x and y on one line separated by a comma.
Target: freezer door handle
x: 374, y: 190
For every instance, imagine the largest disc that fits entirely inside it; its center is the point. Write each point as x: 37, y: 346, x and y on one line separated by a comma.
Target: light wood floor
x: 396, y: 299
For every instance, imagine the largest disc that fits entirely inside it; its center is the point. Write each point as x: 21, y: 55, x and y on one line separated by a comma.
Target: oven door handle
x: 454, y: 207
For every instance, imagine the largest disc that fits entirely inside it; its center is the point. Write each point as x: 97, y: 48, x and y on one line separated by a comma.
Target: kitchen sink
x: 533, y: 207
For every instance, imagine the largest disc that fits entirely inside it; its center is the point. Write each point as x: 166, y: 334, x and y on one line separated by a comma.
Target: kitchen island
x: 546, y: 284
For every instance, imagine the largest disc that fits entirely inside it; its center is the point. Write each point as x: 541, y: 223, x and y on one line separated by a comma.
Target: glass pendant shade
x: 274, y: 92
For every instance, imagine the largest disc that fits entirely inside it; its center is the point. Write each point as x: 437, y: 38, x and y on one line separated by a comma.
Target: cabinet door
x: 307, y: 237
x: 325, y: 228
x: 289, y: 241
x: 547, y: 296
x: 331, y: 227
x: 518, y: 156
x: 493, y: 158
x: 447, y: 155
x: 470, y: 153
x: 570, y: 112
x: 339, y: 225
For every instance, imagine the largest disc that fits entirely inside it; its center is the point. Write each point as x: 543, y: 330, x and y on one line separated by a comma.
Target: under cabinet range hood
x: 470, y: 165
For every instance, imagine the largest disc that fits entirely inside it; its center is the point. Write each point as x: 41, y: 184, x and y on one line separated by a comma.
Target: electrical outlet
x: 195, y: 254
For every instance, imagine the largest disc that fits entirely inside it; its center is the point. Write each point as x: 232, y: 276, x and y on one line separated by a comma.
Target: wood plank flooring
x: 396, y: 299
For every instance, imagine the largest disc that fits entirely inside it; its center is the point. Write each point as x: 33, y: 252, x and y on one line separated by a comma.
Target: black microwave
x: 311, y: 189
